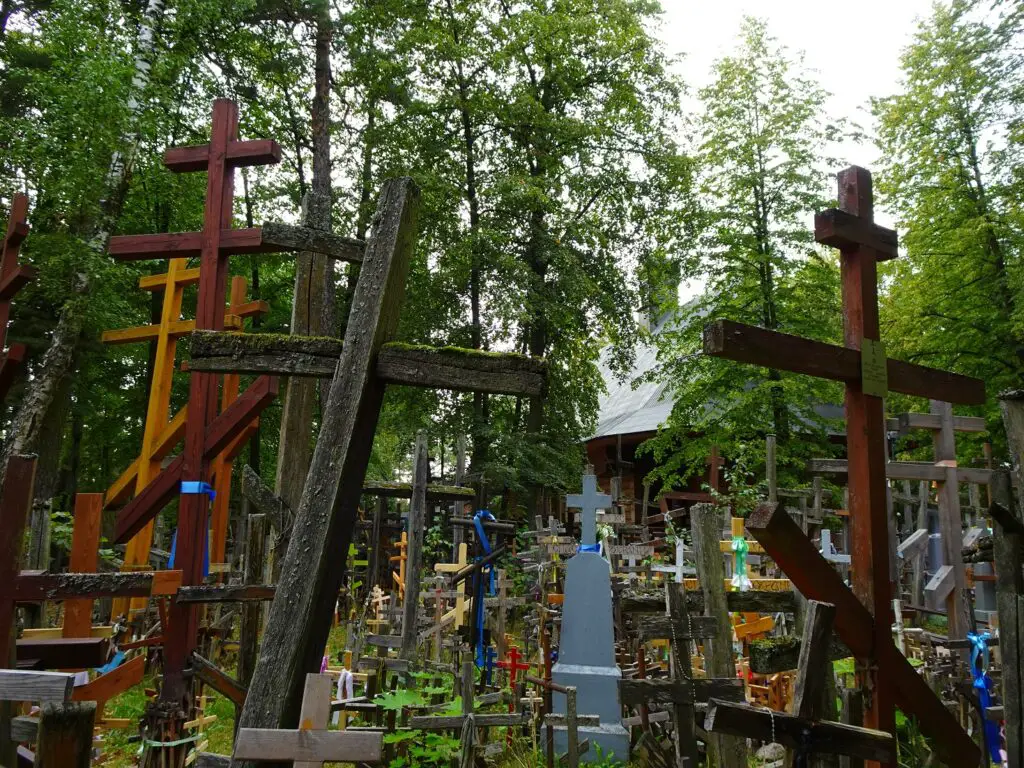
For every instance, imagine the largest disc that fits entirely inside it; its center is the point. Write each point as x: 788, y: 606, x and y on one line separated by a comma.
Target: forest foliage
x: 569, y: 187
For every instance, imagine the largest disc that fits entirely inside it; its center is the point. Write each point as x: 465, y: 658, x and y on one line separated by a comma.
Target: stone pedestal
x: 586, y: 657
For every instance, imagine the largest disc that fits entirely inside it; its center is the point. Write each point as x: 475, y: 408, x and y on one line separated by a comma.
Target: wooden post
x: 65, y: 735
x: 13, y: 276
x: 706, y: 526
x: 248, y: 644
x: 15, y: 501
x: 572, y: 731
x: 853, y: 714
x: 950, y: 521
x: 680, y: 665
x: 414, y: 564
x: 1009, y: 559
x: 459, y: 533
x: 815, y: 666
x: 312, y: 572
x: 85, y: 550
x: 315, y: 714
x: 770, y: 468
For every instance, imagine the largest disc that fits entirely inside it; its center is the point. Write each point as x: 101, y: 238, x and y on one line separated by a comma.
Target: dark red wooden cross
x: 206, y: 432
x: 862, y: 244
x: 13, y: 277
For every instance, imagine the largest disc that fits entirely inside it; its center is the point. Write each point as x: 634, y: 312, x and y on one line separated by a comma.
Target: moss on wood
x: 223, y: 343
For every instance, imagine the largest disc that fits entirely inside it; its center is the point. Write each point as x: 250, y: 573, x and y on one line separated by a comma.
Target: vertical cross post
x: 866, y: 449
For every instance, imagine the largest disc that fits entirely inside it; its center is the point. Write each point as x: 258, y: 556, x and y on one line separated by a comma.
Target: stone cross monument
x: 586, y: 654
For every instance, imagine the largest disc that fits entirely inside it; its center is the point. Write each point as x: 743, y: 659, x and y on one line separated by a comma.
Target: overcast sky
x: 853, y: 47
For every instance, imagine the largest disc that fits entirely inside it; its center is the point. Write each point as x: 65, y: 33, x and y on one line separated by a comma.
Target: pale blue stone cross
x: 589, y: 502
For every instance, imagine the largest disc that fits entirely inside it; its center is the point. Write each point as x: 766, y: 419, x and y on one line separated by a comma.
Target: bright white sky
x: 853, y: 48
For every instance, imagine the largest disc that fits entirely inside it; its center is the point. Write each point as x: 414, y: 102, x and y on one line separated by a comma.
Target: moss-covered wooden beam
x: 464, y: 370
x: 280, y: 353
x: 292, y: 238
x: 780, y: 654
x: 404, y: 491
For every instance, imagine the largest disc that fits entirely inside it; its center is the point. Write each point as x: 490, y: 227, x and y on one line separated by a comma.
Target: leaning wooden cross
x: 312, y: 573
x: 13, y: 277
x: 863, y: 619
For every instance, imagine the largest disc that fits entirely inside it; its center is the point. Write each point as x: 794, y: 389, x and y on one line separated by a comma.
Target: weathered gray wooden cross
x: 361, y: 366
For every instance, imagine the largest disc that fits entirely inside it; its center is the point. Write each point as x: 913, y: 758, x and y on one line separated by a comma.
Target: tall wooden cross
x: 207, y: 434
x: 588, y: 502
x: 13, y: 277
x: 861, y: 365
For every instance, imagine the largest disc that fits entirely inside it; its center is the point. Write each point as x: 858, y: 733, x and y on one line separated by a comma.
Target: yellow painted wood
x: 755, y: 548
x: 55, y: 633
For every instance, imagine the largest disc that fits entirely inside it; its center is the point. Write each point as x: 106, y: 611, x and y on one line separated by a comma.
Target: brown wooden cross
x: 861, y: 365
x: 13, y: 277
x: 207, y: 434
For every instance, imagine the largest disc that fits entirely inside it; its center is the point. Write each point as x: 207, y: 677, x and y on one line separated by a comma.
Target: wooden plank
x: 225, y: 593
x: 34, y: 587
x: 15, y: 501
x: 159, y: 282
x: 819, y: 737
x: 771, y: 349
x: 840, y: 229
x: 752, y: 601
x: 311, y: 574
x: 255, y: 556
x: 939, y: 588
x: 85, y: 546
x: 157, y: 494
x: 99, y: 630
x: 289, y: 237
x: 384, y: 641
x: 65, y: 653
x: 454, y: 722
x: 25, y: 728
x: 404, y: 491
x: 907, y: 421
x: 915, y: 544
x: 222, y: 351
x: 814, y: 664
x: 219, y: 680
x: 239, y: 153
x: 818, y: 580
x: 462, y: 370
x: 781, y: 654
x: 1008, y: 552
x: 669, y: 692
x: 660, y: 628
x: 222, y: 430
x: 65, y: 735
x: 267, y: 745
x: 116, y: 681
x: 316, y: 709
x: 181, y: 245
x: 29, y: 685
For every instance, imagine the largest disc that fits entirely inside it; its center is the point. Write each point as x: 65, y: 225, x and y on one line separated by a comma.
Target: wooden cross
x: 862, y: 366
x: 207, y: 434
x: 512, y: 664
x: 13, y: 277
x: 402, y: 545
x: 462, y: 604
x: 312, y: 744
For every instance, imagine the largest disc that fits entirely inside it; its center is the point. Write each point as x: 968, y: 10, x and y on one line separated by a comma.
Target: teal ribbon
x: 740, y: 580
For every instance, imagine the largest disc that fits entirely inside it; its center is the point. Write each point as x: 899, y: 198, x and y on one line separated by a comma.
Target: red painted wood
x: 865, y: 447
x: 41, y: 587
x: 187, y: 244
x: 180, y: 635
x: 758, y: 346
x: 13, y: 277
x: 816, y: 579
x: 15, y: 502
x: 144, y: 507
x: 237, y: 416
x: 240, y: 153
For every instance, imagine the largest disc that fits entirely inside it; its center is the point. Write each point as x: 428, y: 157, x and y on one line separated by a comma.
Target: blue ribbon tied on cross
x: 983, y: 685
x: 194, y: 487
x: 485, y: 543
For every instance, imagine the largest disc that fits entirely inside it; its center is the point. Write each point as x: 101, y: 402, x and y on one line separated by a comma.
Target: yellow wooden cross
x: 461, y: 603
x: 400, y: 558
x: 160, y: 432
